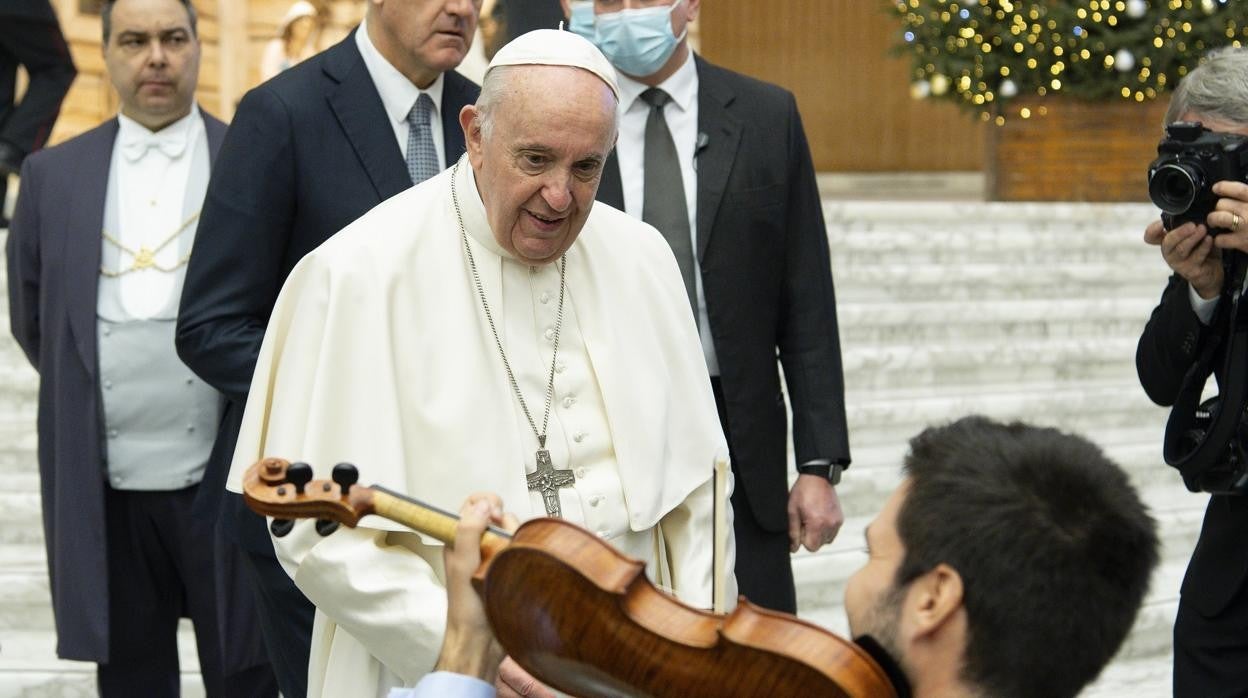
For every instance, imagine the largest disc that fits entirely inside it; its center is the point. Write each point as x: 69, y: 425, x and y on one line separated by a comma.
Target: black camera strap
x: 1199, y: 464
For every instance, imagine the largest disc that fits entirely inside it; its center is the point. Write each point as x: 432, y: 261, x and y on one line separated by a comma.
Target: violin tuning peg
x: 326, y: 527
x: 280, y: 527
x: 299, y: 475
x: 345, y: 475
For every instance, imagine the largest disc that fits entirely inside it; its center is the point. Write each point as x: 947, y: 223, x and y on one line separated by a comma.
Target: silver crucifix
x: 547, y: 480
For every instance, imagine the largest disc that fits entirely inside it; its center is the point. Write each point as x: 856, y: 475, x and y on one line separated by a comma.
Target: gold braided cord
x: 145, y: 258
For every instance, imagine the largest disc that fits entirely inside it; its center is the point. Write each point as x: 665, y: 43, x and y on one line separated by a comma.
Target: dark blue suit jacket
x: 307, y: 153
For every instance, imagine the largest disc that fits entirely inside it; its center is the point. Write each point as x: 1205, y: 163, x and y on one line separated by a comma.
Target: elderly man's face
x: 423, y: 38
x: 153, y: 60
x: 538, y: 167
x: 873, y: 602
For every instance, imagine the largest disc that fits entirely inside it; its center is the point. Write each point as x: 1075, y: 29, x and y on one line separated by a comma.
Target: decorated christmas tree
x: 983, y: 53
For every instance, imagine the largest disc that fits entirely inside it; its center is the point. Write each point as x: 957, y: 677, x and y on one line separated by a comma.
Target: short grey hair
x: 1216, y: 89
x: 494, y: 89
x: 106, y: 18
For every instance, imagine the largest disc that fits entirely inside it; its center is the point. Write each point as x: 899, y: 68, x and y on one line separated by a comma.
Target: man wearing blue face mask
x: 719, y: 163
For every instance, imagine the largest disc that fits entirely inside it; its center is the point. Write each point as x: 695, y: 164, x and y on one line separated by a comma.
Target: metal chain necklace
x: 547, y: 479
x: 145, y: 258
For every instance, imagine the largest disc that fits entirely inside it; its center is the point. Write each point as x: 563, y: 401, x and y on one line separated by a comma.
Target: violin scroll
x: 284, y: 490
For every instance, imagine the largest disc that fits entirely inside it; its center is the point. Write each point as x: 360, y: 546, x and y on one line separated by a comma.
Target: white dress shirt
x: 398, y: 95
x: 681, y: 114
x: 152, y: 170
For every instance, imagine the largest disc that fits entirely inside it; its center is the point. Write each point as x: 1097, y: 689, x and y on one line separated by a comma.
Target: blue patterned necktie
x: 422, y: 158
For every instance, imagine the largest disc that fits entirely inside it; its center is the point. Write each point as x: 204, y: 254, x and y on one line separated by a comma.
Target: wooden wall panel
x: 854, y: 95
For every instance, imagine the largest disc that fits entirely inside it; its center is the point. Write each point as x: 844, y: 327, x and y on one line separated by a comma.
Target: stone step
x: 1074, y: 220
x: 922, y: 321
x: 882, y: 281
x: 29, y: 666
x: 884, y: 416
x: 1062, y: 360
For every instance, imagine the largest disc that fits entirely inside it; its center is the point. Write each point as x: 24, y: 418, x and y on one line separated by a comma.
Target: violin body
x: 580, y: 616
x: 587, y: 622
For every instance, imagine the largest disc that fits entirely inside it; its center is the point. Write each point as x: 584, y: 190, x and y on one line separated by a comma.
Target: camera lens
x: 1173, y: 187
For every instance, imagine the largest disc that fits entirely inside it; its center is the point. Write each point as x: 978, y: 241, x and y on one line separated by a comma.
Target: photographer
x: 1211, y: 628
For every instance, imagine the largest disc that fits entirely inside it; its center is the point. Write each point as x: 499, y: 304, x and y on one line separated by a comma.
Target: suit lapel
x: 82, y: 240
x: 714, y: 161
x: 357, y: 105
x: 456, y: 93
x: 611, y: 188
x: 216, y: 133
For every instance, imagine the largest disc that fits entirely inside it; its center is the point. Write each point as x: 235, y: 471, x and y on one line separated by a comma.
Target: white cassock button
x: 549, y: 333
x: 108, y: 385
x: 190, y: 428
x: 545, y: 297
x: 112, y: 433
x: 559, y: 366
x: 569, y: 401
x: 595, y: 500
x: 580, y: 473
x: 578, y: 436
x: 190, y: 381
x: 602, y: 534
x: 107, y: 331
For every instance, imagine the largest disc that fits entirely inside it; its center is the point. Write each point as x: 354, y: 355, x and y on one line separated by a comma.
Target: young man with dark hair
x: 1010, y: 561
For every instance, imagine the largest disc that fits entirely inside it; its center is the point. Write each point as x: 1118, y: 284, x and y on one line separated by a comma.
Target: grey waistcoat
x: 159, y: 418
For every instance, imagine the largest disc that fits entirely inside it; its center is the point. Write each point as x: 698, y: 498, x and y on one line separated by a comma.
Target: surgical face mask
x: 638, y: 41
x: 582, y: 19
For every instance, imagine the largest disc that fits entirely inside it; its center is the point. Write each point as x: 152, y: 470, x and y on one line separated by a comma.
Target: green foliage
x: 981, y: 53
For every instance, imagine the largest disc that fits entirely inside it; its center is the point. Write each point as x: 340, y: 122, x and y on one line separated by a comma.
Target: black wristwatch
x: 830, y: 471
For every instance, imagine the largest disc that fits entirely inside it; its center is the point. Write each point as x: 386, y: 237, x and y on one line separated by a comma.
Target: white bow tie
x: 172, y: 146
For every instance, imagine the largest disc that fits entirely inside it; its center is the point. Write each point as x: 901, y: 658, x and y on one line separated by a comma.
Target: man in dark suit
x: 719, y: 163
x: 307, y: 153
x: 1211, y: 628
x: 95, y: 259
x: 30, y: 36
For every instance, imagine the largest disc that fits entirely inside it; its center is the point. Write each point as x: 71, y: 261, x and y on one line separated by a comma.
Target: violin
x: 580, y: 616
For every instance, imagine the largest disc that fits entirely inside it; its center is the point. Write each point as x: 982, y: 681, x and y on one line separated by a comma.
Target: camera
x: 1189, y: 160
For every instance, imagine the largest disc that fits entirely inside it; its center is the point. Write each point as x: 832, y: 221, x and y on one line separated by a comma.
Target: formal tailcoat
x: 54, y: 254
x: 307, y: 153
x: 763, y: 251
x: 1171, y: 343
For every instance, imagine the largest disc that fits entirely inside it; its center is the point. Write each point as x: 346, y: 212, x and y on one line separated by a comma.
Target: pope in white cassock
x: 486, y: 322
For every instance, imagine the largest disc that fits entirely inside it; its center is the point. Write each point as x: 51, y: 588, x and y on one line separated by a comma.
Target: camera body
x: 1190, y: 159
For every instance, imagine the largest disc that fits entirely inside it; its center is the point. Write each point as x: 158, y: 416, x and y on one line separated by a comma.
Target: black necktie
x: 664, y: 205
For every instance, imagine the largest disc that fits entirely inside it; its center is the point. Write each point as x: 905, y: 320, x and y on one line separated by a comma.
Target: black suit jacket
x: 1171, y: 343
x: 54, y: 273
x: 307, y: 153
x: 767, y: 279
x: 28, y: 9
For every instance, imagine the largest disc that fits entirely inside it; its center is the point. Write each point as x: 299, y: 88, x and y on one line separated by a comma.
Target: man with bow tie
x: 96, y: 258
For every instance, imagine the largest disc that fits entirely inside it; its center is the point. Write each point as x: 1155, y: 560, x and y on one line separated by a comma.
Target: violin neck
x: 427, y: 519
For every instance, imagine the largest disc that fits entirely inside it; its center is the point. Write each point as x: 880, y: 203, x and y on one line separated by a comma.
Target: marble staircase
x: 1026, y: 311
x: 946, y: 307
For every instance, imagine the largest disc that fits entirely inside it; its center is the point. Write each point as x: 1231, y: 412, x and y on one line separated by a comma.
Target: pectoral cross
x: 547, y: 480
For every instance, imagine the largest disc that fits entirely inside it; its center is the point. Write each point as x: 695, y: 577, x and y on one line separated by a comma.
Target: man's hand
x: 815, y: 514
x: 514, y: 682
x: 469, y: 646
x: 1231, y: 213
x: 1189, y: 250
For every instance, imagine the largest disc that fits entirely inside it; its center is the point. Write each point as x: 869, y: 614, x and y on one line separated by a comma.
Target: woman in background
x: 296, y: 40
